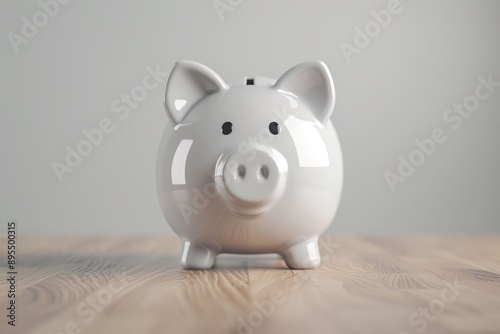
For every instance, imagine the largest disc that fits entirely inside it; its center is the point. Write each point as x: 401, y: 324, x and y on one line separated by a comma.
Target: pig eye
x: 227, y: 128
x: 274, y: 128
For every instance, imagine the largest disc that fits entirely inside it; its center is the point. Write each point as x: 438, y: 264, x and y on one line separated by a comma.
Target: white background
x: 395, y: 90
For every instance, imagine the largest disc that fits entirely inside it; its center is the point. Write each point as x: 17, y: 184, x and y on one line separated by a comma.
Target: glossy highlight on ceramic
x: 249, y: 168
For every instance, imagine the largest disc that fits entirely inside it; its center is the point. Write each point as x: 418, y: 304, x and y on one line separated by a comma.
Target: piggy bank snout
x: 252, y: 179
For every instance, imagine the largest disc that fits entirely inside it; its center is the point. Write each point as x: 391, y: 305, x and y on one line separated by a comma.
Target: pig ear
x: 312, y: 83
x: 187, y: 84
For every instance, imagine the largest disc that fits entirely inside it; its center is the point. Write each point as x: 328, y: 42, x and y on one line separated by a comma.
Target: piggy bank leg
x: 304, y: 255
x: 196, y: 256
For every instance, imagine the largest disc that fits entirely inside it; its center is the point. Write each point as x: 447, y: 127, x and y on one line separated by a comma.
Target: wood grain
x: 419, y: 284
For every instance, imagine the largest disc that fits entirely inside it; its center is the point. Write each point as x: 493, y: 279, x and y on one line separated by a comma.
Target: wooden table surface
x: 424, y: 284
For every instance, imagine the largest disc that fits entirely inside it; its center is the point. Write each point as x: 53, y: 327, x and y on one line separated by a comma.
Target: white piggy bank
x: 250, y: 168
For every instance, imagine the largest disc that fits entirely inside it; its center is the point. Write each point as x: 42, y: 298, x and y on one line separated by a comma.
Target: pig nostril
x: 242, y: 171
x: 264, y: 171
